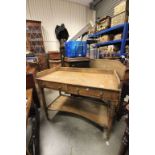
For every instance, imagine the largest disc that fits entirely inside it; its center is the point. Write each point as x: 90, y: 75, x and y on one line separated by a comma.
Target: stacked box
x: 119, y: 19
x: 103, y: 49
x: 121, y: 12
x: 117, y: 36
x: 112, y: 48
x: 121, y: 7
x: 109, y: 48
x: 104, y: 38
x: 92, y: 30
x: 127, y: 49
x: 103, y: 23
x: 108, y: 51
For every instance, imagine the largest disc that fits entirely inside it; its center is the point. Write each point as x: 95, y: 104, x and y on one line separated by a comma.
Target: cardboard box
x: 127, y: 48
x: 119, y: 19
x: 109, y: 49
x: 118, y: 36
x: 112, y: 48
x: 92, y: 30
x: 103, y: 23
x: 104, y: 38
x: 103, y: 49
x: 121, y: 7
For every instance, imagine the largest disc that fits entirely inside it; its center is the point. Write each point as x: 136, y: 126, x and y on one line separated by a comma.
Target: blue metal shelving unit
x: 112, y: 42
x: 124, y: 28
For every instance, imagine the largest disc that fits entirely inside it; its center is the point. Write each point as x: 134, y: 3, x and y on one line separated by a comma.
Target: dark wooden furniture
x: 34, y: 38
x: 54, y: 55
x: 43, y: 61
x: 32, y: 105
x: 35, y: 43
x: 94, y: 83
x: 80, y: 62
x: 28, y: 103
x: 54, y: 59
x: 30, y: 82
x: 28, y: 106
x: 32, y: 147
x: 125, y: 139
x: 54, y: 63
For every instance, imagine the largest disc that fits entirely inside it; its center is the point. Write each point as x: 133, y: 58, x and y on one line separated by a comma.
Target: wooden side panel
x: 45, y: 72
x: 28, y: 103
x: 110, y: 65
x: 95, y: 78
x: 88, y: 70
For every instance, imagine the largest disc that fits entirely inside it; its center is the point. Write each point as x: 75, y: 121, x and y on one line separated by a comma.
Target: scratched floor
x: 70, y: 135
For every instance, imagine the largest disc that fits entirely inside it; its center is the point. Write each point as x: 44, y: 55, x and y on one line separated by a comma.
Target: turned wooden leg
x: 44, y: 102
x: 110, y: 113
x: 60, y: 93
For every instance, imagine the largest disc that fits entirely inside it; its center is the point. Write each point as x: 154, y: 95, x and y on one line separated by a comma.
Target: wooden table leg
x: 111, y: 113
x: 44, y: 102
x: 106, y: 133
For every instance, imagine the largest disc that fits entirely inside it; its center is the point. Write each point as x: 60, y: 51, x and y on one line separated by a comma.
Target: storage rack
x: 124, y: 28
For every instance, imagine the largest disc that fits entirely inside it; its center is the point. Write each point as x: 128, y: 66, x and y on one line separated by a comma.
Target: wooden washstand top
x: 86, y: 77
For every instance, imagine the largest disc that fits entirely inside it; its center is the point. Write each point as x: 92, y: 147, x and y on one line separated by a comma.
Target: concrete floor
x: 71, y: 135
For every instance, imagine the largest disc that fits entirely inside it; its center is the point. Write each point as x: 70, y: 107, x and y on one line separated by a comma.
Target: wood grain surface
x: 109, y: 65
x: 105, y: 80
x: 89, y: 109
x: 28, y: 102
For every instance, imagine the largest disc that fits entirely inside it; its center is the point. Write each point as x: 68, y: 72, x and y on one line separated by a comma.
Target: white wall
x: 56, y: 12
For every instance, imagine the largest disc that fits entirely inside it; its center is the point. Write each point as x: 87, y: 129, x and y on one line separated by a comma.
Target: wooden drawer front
x: 84, y: 91
x: 90, y: 92
x: 53, y: 85
x: 72, y: 89
x: 109, y: 95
